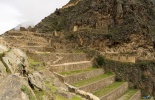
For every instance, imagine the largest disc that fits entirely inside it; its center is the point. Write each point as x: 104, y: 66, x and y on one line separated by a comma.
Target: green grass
x: 108, y: 89
x: 28, y: 92
x: 49, y: 85
x: 77, y: 71
x: 76, y: 98
x: 33, y: 62
x: 59, y: 97
x: 91, y: 80
x: 129, y: 94
x: 39, y: 94
x: 35, y: 65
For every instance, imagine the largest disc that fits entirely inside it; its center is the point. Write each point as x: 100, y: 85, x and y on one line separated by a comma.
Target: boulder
x: 11, y: 88
x: 36, y: 81
x: 16, y: 61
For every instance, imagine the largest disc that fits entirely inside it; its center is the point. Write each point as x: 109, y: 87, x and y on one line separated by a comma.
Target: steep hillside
x: 125, y: 16
x: 106, y: 25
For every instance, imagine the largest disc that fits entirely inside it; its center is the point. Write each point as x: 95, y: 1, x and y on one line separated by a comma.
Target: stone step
x: 71, y: 66
x: 131, y: 95
x: 95, y: 83
x: 113, y: 91
x: 79, y: 75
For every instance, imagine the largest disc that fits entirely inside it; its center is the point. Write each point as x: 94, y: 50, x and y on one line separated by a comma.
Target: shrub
x: 100, y: 60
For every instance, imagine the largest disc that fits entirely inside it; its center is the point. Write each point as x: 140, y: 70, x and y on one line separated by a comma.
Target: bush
x: 100, y: 60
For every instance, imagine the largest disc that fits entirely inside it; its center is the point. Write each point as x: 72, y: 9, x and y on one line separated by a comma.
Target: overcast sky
x: 25, y: 12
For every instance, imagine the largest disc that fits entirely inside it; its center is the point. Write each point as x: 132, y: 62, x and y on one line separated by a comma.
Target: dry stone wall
x: 82, y: 76
x: 137, y: 96
x: 99, y: 84
x: 71, y: 67
x: 116, y: 93
x: 122, y: 58
x: 54, y: 58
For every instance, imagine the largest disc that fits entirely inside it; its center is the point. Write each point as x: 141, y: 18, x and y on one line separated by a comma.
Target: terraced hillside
x: 93, y: 83
x: 27, y: 41
x: 75, y: 70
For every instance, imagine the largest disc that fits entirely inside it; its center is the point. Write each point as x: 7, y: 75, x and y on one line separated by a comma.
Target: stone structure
x: 121, y: 58
x: 23, y: 29
x: 136, y: 96
x: 100, y: 27
x: 58, y: 58
x: 82, y: 76
x: 88, y: 90
x: 97, y: 85
x: 71, y: 66
x: 116, y: 93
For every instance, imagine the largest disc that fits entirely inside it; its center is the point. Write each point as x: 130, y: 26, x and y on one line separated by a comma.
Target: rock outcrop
x: 16, y: 61
x: 36, y: 81
x: 16, y: 82
x: 13, y: 88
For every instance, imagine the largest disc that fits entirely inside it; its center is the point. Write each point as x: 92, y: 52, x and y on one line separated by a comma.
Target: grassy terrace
x: 92, y: 80
x: 77, y: 71
x: 129, y: 94
x: 108, y: 89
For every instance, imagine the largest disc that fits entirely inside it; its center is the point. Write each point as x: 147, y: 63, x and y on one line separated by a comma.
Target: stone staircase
x: 93, y: 83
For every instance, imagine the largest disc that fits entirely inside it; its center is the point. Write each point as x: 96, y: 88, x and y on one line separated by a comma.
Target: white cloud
x: 9, y: 18
x: 15, y: 12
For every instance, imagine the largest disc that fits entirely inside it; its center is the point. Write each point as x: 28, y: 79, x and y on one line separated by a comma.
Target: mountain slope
x: 119, y: 25
x: 116, y: 14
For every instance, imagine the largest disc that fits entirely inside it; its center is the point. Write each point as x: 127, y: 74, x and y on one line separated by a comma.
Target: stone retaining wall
x: 121, y: 58
x: 99, y: 84
x: 136, y: 96
x: 82, y: 76
x: 70, y: 67
x: 72, y: 58
x: 113, y: 95
x: 52, y: 57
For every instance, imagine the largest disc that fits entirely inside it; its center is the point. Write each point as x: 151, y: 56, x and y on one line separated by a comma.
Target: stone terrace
x: 25, y: 40
x: 76, y: 70
x: 92, y: 83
